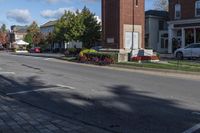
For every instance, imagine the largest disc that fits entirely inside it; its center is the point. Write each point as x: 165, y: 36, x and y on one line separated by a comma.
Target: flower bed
x: 145, y: 58
x: 98, y: 58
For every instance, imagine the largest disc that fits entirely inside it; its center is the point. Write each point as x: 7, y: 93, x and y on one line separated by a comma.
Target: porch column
x: 170, y: 32
x: 183, y: 38
x: 195, y: 36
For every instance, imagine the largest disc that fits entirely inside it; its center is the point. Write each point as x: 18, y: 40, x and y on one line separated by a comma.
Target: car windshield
x: 190, y: 46
x: 193, y: 46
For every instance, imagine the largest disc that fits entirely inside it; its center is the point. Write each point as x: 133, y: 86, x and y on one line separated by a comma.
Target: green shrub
x: 100, y: 58
x: 85, y: 51
x: 70, y: 52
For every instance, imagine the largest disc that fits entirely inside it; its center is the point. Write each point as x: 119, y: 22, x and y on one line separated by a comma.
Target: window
x: 177, y: 11
x: 164, y: 41
x: 198, y: 35
x: 161, y: 25
x: 196, y: 46
x: 179, y: 33
x: 197, y: 8
x: 136, y: 2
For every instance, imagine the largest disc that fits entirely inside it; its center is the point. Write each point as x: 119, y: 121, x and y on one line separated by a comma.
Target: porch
x: 182, y: 33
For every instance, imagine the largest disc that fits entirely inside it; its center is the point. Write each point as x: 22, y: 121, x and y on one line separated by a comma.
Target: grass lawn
x: 170, y: 65
x: 72, y: 59
x: 184, y: 65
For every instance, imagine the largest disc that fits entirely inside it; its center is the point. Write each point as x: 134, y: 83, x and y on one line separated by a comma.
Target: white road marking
x: 65, y: 86
x: 46, y: 58
x: 23, y: 92
x: 193, y: 129
x: 7, y: 73
x: 43, y: 89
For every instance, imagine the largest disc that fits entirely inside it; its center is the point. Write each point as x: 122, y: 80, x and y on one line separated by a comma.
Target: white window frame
x: 177, y: 9
x: 196, y: 7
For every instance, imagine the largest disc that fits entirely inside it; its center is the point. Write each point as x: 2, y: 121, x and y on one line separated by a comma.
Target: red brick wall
x: 187, y: 9
x: 110, y: 19
x: 118, y: 13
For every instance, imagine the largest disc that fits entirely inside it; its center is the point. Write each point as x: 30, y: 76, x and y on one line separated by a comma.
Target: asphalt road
x: 117, y: 101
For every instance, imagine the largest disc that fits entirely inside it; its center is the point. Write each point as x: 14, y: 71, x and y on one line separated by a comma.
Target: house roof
x: 48, y: 24
x: 19, y: 29
x: 157, y: 13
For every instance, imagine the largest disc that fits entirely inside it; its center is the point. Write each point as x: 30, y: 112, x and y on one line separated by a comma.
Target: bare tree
x: 161, y: 5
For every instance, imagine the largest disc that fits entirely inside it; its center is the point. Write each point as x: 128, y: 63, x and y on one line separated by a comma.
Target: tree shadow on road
x: 117, y: 108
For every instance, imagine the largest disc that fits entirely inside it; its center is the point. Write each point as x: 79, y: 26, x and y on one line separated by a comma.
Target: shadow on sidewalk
x: 122, y: 109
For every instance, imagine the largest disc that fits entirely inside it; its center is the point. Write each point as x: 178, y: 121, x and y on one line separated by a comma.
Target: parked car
x: 1, y: 47
x: 35, y: 50
x: 190, y: 51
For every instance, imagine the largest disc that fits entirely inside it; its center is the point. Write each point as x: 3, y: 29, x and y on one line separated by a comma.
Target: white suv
x: 190, y: 51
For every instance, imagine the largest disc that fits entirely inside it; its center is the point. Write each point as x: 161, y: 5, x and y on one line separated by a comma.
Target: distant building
x: 98, y: 19
x: 48, y: 28
x: 17, y: 33
x: 184, y: 24
x: 156, y: 30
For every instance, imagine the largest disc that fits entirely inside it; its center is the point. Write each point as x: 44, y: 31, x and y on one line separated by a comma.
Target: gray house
x: 156, y: 31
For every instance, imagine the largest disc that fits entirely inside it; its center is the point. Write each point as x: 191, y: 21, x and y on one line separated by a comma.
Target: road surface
x: 112, y: 100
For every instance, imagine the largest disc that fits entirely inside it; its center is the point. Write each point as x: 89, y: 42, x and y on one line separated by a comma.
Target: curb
x: 156, y: 69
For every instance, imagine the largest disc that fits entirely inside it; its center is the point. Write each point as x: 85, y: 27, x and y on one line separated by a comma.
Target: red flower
x: 143, y: 58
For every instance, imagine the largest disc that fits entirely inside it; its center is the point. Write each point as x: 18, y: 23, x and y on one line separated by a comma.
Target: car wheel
x: 179, y: 55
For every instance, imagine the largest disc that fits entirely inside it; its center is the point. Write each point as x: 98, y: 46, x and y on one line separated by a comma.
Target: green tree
x: 60, y: 28
x: 32, y: 34
x: 161, y: 5
x: 92, y: 28
x: 28, y: 38
x: 3, y: 28
x: 38, y: 39
x: 50, y: 38
x: 79, y: 26
x: 33, y: 28
x: 69, y: 27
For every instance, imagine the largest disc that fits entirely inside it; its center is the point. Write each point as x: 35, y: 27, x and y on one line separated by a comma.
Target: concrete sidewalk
x: 17, y: 117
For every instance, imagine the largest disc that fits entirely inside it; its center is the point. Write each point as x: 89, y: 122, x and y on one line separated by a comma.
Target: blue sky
x: 23, y: 12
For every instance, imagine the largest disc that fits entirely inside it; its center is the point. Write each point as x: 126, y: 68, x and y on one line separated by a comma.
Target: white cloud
x: 55, y: 1
x: 55, y: 14
x: 19, y: 15
x: 59, y: 1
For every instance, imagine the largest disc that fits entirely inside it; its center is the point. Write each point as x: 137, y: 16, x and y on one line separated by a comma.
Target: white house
x: 156, y: 30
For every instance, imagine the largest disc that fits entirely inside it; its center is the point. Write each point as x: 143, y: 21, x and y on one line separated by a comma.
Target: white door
x: 131, y: 40
x: 135, y: 40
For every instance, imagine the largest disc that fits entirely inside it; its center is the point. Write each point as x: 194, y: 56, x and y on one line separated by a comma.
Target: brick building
x: 123, y: 24
x: 184, y: 24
